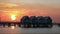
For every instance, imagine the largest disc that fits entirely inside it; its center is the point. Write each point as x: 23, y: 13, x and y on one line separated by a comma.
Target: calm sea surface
x: 18, y: 30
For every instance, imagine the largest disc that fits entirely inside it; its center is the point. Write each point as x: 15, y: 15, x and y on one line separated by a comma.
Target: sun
x: 13, y: 17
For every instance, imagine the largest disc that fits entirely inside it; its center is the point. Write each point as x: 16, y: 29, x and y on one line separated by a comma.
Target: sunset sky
x: 19, y: 8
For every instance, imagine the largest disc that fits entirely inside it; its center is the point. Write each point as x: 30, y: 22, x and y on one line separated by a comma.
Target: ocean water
x: 17, y: 30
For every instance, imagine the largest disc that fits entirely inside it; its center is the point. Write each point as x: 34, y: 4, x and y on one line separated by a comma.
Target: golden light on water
x: 13, y: 17
x: 12, y: 27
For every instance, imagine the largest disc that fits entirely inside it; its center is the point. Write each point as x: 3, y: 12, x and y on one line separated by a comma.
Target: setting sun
x: 13, y: 17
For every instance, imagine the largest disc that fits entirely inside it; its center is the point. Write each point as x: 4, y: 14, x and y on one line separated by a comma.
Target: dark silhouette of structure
x: 48, y: 21
x: 25, y: 21
x: 9, y: 24
x: 34, y: 21
x: 40, y: 21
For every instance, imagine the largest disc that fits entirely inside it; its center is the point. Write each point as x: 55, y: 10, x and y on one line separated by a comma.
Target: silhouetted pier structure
x: 32, y: 22
x: 38, y: 21
x: 19, y: 24
x: 9, y: 24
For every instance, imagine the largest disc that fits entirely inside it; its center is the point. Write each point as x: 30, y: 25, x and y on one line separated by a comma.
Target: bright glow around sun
x: 13, y: 17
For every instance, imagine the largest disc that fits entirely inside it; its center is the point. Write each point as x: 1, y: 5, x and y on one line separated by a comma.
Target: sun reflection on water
x: 12, y: 27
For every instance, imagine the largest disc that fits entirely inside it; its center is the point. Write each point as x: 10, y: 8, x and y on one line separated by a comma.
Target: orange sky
x: 9, y: 9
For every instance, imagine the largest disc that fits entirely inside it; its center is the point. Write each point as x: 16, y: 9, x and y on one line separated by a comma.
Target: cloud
x: 49, y: 3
